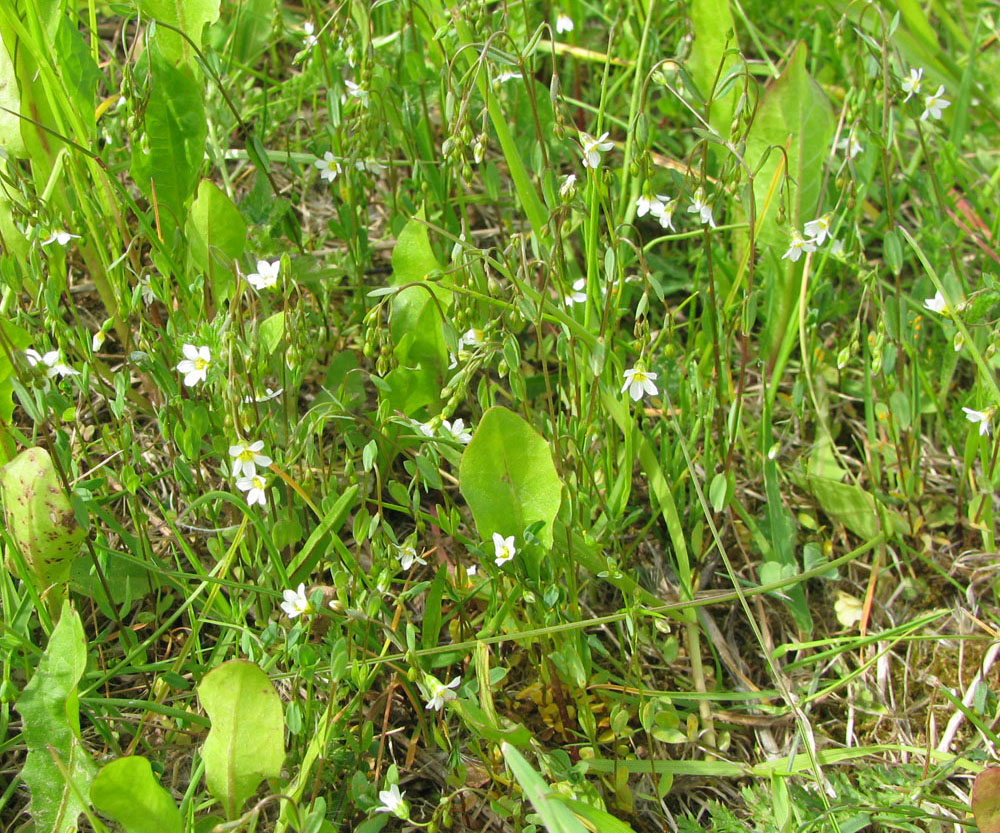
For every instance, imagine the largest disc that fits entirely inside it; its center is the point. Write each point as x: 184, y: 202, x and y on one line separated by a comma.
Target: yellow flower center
x: 200, y: 364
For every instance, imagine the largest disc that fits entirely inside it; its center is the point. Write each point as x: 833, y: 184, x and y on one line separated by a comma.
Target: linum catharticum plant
x: 475, y: 416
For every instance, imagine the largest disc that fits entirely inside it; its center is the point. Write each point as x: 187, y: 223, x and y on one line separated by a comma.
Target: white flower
x: 700, y: 207
x: 649, y: 205
x: 309, y: 30
x: 51, y: 361
x: 579, y: 294
x: 479, y: 149
x: 63, y: 237
x: 392, y: 802
x: 440, y: 693
x: 296, y: 602
x: 269, y: 394
x: 408, y: 556
x: 564, y: 23
x: 457, y: 430
x: 357, y: 91
x: 329, y: 167
x: 819, y: 229
x: 937, y: 303
x: 798, y: 245
x: 254, y: 487
x: 568, y: 187
x: 470, y: 338
x: 373, y: 166
x: 148, y: 296
x: 504, y: 77
x: 639, y: 381
x: 982, y: 417
x: 593, y: 148
x: 503, y: 548
x: 97, y: 342
x: 266, y: 274
x: 913, y: 82
x: 248, y: 457
x: 666, y: 215
x: 850, y: 144
x: 194, y: 366
x: 934, y: 104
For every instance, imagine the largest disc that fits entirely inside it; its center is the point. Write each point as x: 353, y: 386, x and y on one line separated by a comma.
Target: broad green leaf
x: 794, y: 113
x: 49, y: 709
x: 555, y: 815
x: 10, y: 105
x: 781, y: 532
x: 481, y: 725
x: 246, y: 741
x: 128, y: 791
x: 849, y: 504
x: 794, y: 116
x: 416, y: 322
x: 986, y: 800
x: 508, y: 478
x: 41, y: 522
x: 79, y: 73
x: 272, y: 329
x: 190, y: 16
x: 17, y: 339
x: 168, y: 160
x: 247, y: 32
x: 711, y: 22
x: 596, y: 819
x: 217, y: 235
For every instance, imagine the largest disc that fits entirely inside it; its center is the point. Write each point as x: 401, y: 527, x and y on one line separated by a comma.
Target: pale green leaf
x: 190, y: 16
x: 555, y: 815
x: 51, y: 730
x: 217, y: 235
x: 246, y: 741
x: 127, y: 790
x: 508, y: 478
x: 166, y: 165
x: 272, y: 330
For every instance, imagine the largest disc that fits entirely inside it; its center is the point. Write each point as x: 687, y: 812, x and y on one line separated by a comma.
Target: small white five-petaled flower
x: 439, y: 692
x: 850, y: 144
x: 61, y: 237
x: 408, y: 556
x: 392, y: 802
x: 798, y: 245
x: 701, y: 208
x: 254, y: 487
x: 819, y: 229
x: 639, y: 381
x: 650, y: 205
x: 578, y: 294
x: 266, y: 274
x: 309, y: 30
x: 564, y: 23
x: 937, y: 303
x: 666, y: 215
x: 934, y: 104
x: 982, y: 417
x: 457, y: 430
x: 194, y: 365
x: 329, y: 167
x: 913, y: 82
x: 248, y: 457
x: 503, y: 548
x: 296, y: 602
x: 593, y: 148
x: 51, y: 361
x: 568, y: 187
x: 357, y: 91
